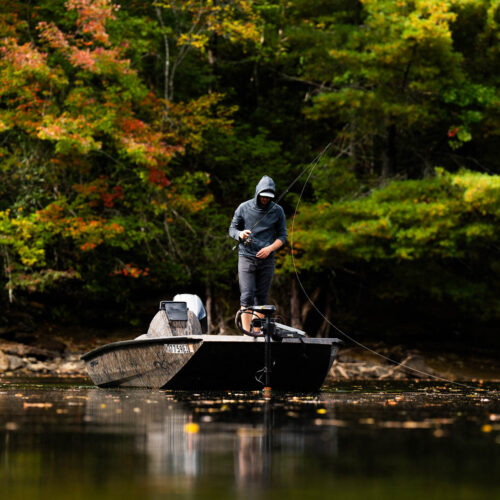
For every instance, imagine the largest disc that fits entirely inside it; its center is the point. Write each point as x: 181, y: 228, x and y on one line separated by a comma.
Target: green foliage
x: 424, y: 224
x: 401, y: 75
x: 445, y: 217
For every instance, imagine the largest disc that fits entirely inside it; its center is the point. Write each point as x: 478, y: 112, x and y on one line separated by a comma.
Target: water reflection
x: 178, y: 432
x: 360, y: 443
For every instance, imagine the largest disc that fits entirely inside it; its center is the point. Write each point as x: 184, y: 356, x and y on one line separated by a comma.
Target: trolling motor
x: 268, y: 328
x: 262, y: 327
x: 259, y: 326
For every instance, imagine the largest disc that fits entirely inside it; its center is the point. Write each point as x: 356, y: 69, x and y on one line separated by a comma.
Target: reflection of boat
x: 197, y: 361
x: 185, y: 435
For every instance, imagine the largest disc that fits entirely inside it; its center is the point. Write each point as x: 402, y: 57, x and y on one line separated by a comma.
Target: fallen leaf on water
x: 368, y: 421
x: 37, y: 405
x: 191, y: 428
x: 416, y: 425
x: 487, y: 428
x: 336, y: 423
x: 405, y: 425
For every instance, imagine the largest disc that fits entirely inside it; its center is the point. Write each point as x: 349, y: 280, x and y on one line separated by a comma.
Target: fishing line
x: 313, y: 165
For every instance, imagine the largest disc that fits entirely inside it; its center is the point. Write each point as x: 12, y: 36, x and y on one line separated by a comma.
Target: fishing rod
x: 311, y: 165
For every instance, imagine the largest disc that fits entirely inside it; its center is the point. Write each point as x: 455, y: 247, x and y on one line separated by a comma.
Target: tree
x: 392, y: 76
x: 86, y: 154
x: 431, y: 239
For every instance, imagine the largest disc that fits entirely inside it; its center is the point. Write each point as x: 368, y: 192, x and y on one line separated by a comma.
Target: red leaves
x: 99, y: 190
x: 131, y: 271
x: 87, y: 246
x: 53, y: 36
x: 83, y: 58
x: 22, y: 57
x: 157, y: 177
x: 131, y: 125
x: 92, y: 17
x: 109, y: 198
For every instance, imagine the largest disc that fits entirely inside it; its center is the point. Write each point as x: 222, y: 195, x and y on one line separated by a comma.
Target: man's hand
x: 264, y: 253
x: 245, y: 234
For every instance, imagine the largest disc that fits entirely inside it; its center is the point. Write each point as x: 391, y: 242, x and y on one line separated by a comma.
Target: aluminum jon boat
x: 175, y: 354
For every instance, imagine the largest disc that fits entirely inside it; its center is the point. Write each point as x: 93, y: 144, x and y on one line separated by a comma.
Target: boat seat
x: 162, y: 326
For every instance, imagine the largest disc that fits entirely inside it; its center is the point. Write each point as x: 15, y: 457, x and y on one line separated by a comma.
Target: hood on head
x: 265, y: 184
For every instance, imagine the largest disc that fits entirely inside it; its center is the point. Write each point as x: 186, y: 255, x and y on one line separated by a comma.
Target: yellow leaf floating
x: 37, y: 405
x: 191, y: 428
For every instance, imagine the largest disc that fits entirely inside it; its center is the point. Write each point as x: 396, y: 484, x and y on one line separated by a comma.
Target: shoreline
x: 51, y: 357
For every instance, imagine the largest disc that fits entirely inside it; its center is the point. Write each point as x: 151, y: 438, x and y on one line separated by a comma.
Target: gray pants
x: 255, y: 276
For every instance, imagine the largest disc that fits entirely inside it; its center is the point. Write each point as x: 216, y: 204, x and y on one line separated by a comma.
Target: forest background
x: 130, y: 131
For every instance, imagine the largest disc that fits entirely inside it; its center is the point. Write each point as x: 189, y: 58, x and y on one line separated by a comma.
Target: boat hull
x: 206, y: 362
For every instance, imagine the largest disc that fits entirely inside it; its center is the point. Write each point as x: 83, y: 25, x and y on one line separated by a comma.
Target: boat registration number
x: 179, y: 348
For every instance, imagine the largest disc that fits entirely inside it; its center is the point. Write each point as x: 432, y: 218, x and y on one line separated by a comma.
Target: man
x: 259, y: 225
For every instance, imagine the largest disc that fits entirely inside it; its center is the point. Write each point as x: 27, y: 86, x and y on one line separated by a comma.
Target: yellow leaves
x: 72, y: 133
x: 237, y: 21
x: 191, y: 428
x: 198, y: 41
x: 478, y: 187
x: 371, y: 228
x: 31, y: 255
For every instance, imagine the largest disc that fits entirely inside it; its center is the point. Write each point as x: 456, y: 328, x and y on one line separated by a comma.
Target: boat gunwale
x: 184, y: 339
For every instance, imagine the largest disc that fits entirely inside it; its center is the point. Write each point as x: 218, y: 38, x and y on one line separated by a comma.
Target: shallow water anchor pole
x: 268, y: 332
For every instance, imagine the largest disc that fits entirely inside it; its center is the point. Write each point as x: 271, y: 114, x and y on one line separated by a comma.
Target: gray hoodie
x: 270, y: 221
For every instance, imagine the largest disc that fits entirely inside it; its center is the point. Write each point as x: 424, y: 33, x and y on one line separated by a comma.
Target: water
x: 63, y: 439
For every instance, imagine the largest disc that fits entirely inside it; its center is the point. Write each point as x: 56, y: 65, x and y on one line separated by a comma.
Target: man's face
x: 264, y: 199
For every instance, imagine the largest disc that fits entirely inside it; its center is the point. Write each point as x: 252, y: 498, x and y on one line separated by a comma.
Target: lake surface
x: 65, y: 439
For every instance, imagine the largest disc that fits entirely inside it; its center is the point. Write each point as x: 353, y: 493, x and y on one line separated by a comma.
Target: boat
x: 175, y: 353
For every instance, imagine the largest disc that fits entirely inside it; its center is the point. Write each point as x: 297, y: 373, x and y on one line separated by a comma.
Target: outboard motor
x: 195, y: 305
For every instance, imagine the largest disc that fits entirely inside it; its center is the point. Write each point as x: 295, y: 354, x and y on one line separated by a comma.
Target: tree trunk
x: 221, y: 323
x: 325, y: 327
x: 208, y: 306
x: 8, y: 274
x: 166, y: 69
x: 308, y: 305
x: 295, y: 305
x: 389, y: 166
x: 212, y: 56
